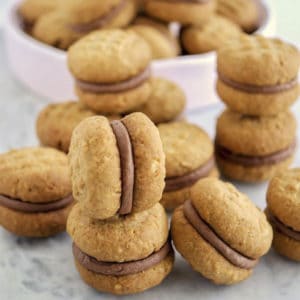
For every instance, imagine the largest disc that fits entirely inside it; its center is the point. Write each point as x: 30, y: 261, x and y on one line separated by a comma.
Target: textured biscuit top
x: 31, y: 10
x: 85, y: 11
x: 129, y: 238
x: 56, y: 122
x: 283, y: 198
x: 166, y: 101
x: 258, y: 61
x: 232, y: 215
x: 255, y: 136
x: 243, y: 12
x: 96, y: 167
x: 210, y: 36
x: 108, y: 56
x: 187, y: 147
x: 37, y: 175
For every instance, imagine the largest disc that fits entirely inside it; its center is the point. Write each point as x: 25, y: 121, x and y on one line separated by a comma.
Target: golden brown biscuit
x: 166, y: 101
x: 32, y: 10
x: 189, y: 158
x: 162, y: 44
x: 184, y: 12
x: 210, y: 36
x: 245, y: 13
x: 56, y: 122
x: 89, y: 15
x: 124, y: 58
x: 283, y: 212
x: 35, y: 191
x: 254, y: 148
x: 220, y: 232
x: 52, y: 28
x: 267, y: 84
x: 116, y: 168
x: 123, y: 255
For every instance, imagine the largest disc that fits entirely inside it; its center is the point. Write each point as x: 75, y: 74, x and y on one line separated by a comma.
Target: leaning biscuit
x: 126, y: 155
x: 220, y: 232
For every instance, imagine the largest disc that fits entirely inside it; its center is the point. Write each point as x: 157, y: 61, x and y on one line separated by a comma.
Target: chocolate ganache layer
x: 180, y: 182
x: 255, y: 89
x: 29, y: 207
x: 102, y: 88
x: 281, y: 227
x: 101, y: 22
x: 127, y: 166
x: 253, y: 161
x: 208, y: 234
x: 124, y: 268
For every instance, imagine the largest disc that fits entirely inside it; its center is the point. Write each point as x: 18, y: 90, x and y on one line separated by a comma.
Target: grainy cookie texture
x: 162, y: 43
x: 32, y: 179
x: 245, y: 13
x: 166, y: 101
x: 94, y: 154
x: 233, y: 219
x: 135, y: 237
x: 124, y: 58
x: 210, y: 36
x: 257, y: 75
x: 52, y: 28
x: 283, y: 212
x: 32, y: 10
x: 188, y: 149
x: 254, y: 148
x: 56, y: 122
x: 184, y: 12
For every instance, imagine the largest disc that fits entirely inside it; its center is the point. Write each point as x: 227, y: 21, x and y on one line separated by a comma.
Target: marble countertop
x: 44, y: 269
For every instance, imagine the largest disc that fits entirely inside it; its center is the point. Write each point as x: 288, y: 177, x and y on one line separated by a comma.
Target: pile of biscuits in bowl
x: 197, y: 26
x: 113, y: 162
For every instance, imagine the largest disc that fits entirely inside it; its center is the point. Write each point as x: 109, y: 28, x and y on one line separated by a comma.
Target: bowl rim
x: 13, y: 25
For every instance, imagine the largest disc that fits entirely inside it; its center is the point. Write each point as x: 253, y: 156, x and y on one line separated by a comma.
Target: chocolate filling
x: 214, y: 240
x: 101, y: 22
x: 252, y: 161
x: 284, y: 229
x: 127, y: 166
x: 101, y: 88
x: 255, y: 89
x: 180, y: 182
x: 27, y: 207
x: 121, y: 269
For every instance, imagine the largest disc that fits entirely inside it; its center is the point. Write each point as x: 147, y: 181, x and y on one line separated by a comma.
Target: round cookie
x: 257, y: 75
x: 166, y: 101
x: 32, y: 10
x: 210, y: 36
x: 162, y: 44
x: 254, y: 148
x: 220, y: 232
x: 123, y: 58
x: 56, y: 122
x: 89, y: 15
x: 35, y: 192
x: 283, y: 212
x: 52, y: 29
x: 128, y: 157
x: 189, y: 158
x: 139, y: 258
x: 182, y: 11
x: 245, y: 13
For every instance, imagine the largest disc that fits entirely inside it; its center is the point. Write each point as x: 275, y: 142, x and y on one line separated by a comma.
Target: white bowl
x: 43, y: 68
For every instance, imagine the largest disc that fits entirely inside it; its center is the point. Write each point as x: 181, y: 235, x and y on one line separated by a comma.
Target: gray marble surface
x: 43, y: 269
